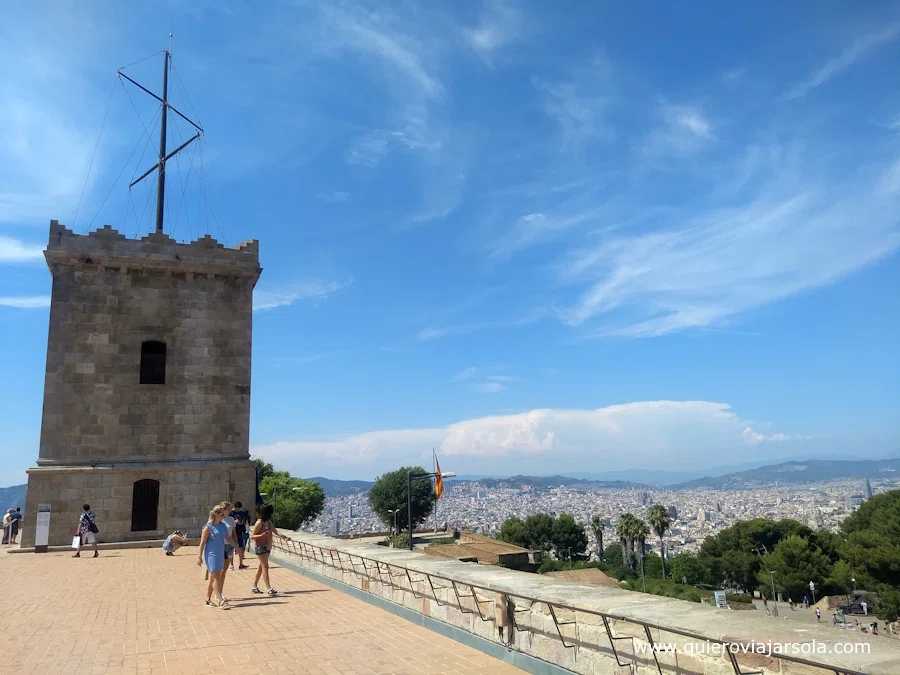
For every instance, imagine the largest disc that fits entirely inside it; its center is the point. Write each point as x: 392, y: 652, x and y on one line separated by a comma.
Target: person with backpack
x: 242, y: 531
x: 87, y: 531
x: 14, y: 525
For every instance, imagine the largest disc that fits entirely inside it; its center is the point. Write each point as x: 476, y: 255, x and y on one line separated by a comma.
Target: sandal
x: 224, y: 604
x: 255, y: 590
x: 272, y: 591
x: 210, y: 603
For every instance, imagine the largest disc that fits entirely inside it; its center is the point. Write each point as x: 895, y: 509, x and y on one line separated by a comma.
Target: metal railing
x: 400, y: 577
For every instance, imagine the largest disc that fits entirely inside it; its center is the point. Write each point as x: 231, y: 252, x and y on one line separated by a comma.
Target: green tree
x: 653, y: 566
x: 687, y: 568
x: 540, y: 531
x: 568, y: 537
x: 660, y: 520
x: 298, y: 500
x: 390, y: 492
x: 640, y: 532
x: 871, y: 549
x: 795, y: 563
x: 625, y: 531
x: 597, y: 527
x: 514, y: 531
x: 872, y: 539
x: 735, y: 553
x: 263, y: 468
x: 613, y: 556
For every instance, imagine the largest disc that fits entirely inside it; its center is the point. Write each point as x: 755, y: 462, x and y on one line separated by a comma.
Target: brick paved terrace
x: 138, y: 611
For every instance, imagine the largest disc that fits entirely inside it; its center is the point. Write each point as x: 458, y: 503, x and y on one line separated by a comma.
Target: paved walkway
x: 138, y: 611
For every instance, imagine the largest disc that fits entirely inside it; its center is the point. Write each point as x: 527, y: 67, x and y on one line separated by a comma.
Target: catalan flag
x: 438, y: 481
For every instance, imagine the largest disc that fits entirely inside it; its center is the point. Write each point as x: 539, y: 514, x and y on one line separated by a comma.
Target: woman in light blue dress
x: 212, y: 553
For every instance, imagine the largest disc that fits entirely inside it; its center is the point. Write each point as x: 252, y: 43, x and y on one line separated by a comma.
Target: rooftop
x: 137, y: 611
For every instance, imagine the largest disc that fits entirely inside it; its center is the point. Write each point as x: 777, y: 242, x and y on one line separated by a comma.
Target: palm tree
x: 641, y: 532
x: 625, y: 531
x: 597, y: 526
x: 660, y: 520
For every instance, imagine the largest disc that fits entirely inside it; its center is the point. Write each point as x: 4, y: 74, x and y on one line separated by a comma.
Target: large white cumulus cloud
x: 661, y: 434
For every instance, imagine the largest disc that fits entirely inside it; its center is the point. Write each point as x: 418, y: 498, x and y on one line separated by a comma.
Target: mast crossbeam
x: 160, y: 166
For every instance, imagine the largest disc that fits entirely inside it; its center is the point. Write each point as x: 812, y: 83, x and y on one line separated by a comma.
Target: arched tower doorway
x: 144, y: 505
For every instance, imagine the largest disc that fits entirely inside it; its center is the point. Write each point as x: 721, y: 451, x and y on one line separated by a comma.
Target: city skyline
x: 628, y: 237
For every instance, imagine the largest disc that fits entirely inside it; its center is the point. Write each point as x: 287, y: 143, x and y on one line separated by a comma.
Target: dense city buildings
x: 704, y: 512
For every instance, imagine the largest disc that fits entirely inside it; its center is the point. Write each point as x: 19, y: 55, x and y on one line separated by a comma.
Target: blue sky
x: 539, y: 237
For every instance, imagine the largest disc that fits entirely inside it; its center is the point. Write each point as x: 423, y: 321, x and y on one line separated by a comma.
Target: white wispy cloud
x: 499, y: 24
x: 26, y: 302
x: 683, y: 129
x: 45, y: 145
x: 405, y: 50
x: 534, y: 228
x: 13, y: 250
x: 525, y: 319
x: 495, y: 383
x: 804, y: 229
x: 859, y: 49
x: 578, y: 105
x: 625, y: 436
x: 386, y: 42
x: 489, y: 387
x: 465, y: 374
x: 304, y: 290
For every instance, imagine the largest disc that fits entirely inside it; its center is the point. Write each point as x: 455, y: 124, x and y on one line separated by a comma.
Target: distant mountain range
x: 339, y: 488
x: 556, y: 481
x: 812, y: 471
x: 11, y: 497
x: 638, y: 479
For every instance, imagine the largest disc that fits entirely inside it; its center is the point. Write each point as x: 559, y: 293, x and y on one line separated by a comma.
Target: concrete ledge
x: 524, y: 661
x: 508, y: 610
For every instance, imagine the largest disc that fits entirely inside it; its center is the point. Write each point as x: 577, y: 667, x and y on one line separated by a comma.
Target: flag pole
x: 434, y: 455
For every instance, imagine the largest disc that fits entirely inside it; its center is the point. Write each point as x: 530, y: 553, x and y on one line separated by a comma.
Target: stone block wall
x: 102, y: 428
x: 186, y: 494
x: 109, y: 296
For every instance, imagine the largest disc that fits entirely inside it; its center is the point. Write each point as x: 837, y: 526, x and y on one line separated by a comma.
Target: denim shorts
x: 229, y: 551
x: 260, y: 550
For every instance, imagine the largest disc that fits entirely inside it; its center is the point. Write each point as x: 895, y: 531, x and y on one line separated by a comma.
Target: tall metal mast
x: 161, y: 181
x: 160, y: 166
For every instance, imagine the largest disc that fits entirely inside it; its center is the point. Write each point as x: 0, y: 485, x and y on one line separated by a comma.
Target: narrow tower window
x: 153, y: 362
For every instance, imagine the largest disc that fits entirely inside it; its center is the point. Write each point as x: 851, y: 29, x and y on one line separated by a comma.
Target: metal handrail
x: 552, y: 605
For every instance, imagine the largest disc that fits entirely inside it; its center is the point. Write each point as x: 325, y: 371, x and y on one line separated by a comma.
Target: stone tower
x: 147, y: 389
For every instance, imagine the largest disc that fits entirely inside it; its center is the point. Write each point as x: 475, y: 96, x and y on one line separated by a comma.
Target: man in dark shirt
x: 241, y: 531
x: 16, y: 518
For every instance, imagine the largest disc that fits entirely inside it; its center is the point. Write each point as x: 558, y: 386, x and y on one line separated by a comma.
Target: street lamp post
x: 395, y: 512
x: 409, y: 479
x: 641, y: 559
x: 774, y: 597
x: 854, y: 584
x: 275, y: 499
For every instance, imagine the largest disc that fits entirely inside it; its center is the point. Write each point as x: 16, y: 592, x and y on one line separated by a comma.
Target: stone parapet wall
x: 514, y: 609
x: 186, y: 494
x: 109, y: 245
